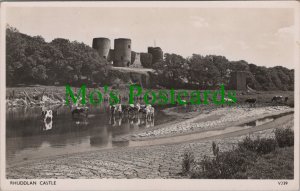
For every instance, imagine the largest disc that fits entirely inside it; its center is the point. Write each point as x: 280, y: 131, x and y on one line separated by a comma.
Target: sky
x: 262, y: 36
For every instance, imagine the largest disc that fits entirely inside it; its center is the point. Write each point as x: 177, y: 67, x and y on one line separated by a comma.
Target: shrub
x: 284, y: 137
x: 187, y: 162
x: 215, y: 149
x: 242, y: 162
x: 208, y: 169
x: 275, y: 165
x: 266, y: 146
x: 260, y: 146
x: 248, y: 144
x: 230, y: 164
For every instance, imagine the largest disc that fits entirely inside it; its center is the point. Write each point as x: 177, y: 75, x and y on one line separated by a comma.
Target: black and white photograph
x: 150, y: 95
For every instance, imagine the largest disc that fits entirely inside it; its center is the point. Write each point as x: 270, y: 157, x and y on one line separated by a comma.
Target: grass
x: 275, y: 165
x: 266, y: 158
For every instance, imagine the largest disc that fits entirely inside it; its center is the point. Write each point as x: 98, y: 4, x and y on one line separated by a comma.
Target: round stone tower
x: 122, y: 52
x: 102, y: 45
x: 157, y: 54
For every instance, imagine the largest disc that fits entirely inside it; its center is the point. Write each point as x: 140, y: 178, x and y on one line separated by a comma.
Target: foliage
x: 259, y: 158
x: 225, y: 165
x: 260, y: 146
x: 188, y: 161
x: 275, y: 165
x: 32, y: 60
x: 284, y: 137
x: 208, y: 72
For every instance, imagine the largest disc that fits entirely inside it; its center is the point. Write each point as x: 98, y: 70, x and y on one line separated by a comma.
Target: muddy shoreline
x: 156, y: 152
x: 157, y: 161
x: 208, y: 118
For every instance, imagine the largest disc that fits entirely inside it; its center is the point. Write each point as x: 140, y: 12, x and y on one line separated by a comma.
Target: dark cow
x: 251, y: 101
x: 131, y: 109
x: 142, y: 109
x: 80, y: 111
x: 279, y: 99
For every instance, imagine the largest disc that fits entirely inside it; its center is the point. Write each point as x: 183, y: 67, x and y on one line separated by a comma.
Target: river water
x: 28, y: 137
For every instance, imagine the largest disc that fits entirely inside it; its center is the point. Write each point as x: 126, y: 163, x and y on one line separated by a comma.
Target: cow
x: 142, y: 108
x: 279, y: 99
x: 116, y: 109
x: 126, y: 109
x: 149, y: 112
x: 135, y: 109
x: 80, y: 111
x: 251, y: 101
x: 131, y: 109
x: 47, y: 116
x: 228, y: 101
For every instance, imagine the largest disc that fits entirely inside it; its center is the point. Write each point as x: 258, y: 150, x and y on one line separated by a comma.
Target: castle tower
x: 122, y: 52
x: 157, y: 54
x: 102, y: 45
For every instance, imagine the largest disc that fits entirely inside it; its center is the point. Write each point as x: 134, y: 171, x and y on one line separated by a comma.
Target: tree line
x: 31, y: 60
x: 210, y: 71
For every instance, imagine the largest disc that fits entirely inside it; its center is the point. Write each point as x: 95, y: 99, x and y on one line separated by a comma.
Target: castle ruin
x: 122, y: 54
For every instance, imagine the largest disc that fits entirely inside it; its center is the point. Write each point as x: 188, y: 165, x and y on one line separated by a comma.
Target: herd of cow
x: 120, y: 110
x: 275, y: 99
x: 131, y: 109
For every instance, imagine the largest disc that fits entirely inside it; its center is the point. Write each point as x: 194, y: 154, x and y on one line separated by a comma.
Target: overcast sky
x: 261, y: 36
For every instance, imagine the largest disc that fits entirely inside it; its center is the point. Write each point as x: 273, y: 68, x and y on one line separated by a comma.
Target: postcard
x: 150, y: 95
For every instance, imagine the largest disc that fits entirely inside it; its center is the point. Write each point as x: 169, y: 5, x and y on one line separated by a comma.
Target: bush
x: 226, y: 165
x: 284, y: 137
x: 260, y: 146
x: 208, y: 169
x: 266, y: 146
x: 259, y: 158
x: 187, y: 162
x: 275, y: 165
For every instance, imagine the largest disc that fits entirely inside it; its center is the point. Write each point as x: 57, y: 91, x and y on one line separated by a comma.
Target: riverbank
x: 157, y: 161
x: 157, y: 152
x: 208, y: 120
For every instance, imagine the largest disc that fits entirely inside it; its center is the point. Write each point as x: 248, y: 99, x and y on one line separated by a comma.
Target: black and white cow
x: 279, y: 99
x: 47, y: 116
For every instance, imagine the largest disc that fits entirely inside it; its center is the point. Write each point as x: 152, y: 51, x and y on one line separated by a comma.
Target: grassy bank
x: 266, y: 158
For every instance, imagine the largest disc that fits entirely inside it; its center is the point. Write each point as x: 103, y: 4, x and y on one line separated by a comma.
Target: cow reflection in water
x: 80, y: 114
x: 80, y: 120
x: 132, y: 121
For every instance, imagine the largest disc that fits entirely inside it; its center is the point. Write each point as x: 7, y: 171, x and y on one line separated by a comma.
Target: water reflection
x: 39, y: 132
x: 101, y: 138
x: 131, y: 122
x: 258, y: 122
x: 120, y: 143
